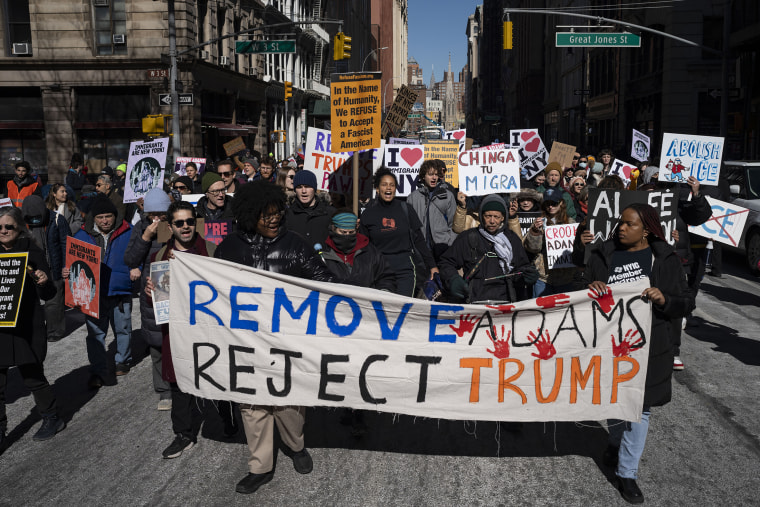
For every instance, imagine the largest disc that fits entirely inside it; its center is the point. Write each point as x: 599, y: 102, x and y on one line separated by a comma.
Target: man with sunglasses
x: 226, y: 170
x: 216, y: 204
x: 183, y: 185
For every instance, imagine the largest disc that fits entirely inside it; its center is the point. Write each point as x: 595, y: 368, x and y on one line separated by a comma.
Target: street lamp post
x: 370, y: 54
x: 385, y: 104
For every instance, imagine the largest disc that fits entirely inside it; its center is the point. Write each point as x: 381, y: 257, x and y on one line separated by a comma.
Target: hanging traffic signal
x: 507, y: 35
x: 288, y: 90
x: 346, y: 47
x: 341, y: 47
x: 155, y: 124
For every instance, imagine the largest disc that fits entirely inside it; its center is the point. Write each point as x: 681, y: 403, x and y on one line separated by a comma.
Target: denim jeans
x: 630, y: 437
x: 116, y: 310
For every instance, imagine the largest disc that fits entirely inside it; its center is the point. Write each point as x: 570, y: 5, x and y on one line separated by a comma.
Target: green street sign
x: 264, y: 46
x: 414, y: 116
x: 597, y: 40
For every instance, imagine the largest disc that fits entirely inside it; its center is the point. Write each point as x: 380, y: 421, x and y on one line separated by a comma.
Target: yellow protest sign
x: 355, y: 111
x: 448, y: 151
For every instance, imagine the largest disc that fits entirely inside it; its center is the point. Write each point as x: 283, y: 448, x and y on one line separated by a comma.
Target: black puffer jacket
x: 369, y: 268
x: 309, y: 223
x: 668, y: 276
x: 287, y: 254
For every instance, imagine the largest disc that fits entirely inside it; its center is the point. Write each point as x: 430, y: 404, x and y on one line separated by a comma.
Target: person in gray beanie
x: 142, y: 244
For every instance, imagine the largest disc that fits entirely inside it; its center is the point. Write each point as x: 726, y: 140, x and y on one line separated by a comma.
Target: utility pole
x: 177, y: 135
x: 724, y: 69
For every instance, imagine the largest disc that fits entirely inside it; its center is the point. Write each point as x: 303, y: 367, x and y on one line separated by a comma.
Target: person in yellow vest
x: 23, y: 184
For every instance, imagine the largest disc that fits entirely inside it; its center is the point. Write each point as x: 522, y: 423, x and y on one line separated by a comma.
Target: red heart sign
x: 527, y: 135
x: 411, y: 155
x: 533, y: 145
x: 458, y: 135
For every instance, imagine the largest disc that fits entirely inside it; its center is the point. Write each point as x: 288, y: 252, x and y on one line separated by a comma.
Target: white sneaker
x: 684, y: 322
x: 165, y: 404
x: 677, y: 363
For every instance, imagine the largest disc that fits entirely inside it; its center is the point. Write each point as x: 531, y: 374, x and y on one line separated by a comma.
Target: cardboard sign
x: 253, y: 336
x: 533, y: 154
x: 405, y: 161
x: 335, y: 170
x: 181, y: 162
x: 622, y: 170
x: 235, y: 146
x: 402, y: 140
x: 526, y: 220
x: 145, y: 168
x: 397, y: 114
x: 684, y: 155
x: 639, y: 146
x: 562, y: 153
x: 606, y: 206
x: 216, y: 230
x: 559, y: 245
x: 726, y: 224
x: 486, y: 172
x: 448, y: 152
x: 83, y: 285
x: 12, y: 279
x: 355, y: 113
x: 159, y: 275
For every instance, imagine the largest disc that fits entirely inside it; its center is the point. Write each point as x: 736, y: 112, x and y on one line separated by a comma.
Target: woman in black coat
x: 639, y: 241
x: 25, y: 344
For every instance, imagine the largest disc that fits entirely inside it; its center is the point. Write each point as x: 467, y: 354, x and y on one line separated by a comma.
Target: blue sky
x: 436, y: 28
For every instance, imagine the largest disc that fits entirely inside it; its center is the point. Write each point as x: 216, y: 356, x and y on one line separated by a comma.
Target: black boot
x: 51, y: 425
x: 629, y: 490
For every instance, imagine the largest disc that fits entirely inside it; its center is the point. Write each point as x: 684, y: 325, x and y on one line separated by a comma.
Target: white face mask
x: 582, y: 165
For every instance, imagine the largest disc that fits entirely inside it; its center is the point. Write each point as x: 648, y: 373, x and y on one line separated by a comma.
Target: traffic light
x: 288, y: 90
x: 507, y: 35
x: 341, y: 47
x: 154, y: 124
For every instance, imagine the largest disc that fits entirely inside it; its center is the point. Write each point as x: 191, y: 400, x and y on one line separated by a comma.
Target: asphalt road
x: 703, y: 447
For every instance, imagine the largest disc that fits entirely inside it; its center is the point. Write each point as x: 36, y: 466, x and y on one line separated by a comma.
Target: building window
x: 19, y: 28
x: 110, y: 27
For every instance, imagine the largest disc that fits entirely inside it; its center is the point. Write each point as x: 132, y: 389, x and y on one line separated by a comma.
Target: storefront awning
x: 232, y: 129
x: 321, y: 108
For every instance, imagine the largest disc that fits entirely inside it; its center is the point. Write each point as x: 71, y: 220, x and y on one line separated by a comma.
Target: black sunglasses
x: 180, y: 187
x: 181, y: 223
x: 225, y: 174
x: 7, y: 227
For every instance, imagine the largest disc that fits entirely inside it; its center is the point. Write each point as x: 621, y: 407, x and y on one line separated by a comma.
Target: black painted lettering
x: 235, y: 369
x: 424, y: 362
x: 325, y: 378
x: 199, y: 369
x: 288, y: 355
x: 366, y: 396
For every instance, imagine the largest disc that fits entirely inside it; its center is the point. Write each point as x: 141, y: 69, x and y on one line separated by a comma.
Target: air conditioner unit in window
x: 119, y: 39
x: 100, y: 3
x: 224, y: 60
x: 203, y: 55
x: 22, y: 48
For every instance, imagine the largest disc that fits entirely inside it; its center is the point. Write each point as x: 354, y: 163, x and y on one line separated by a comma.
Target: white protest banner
x: 159, y: 275
x: 533, y: 154
x: 145, y: 168
x: 639, y: 146
x: 622, y: 170
x: 334, y: 170
x: 685, y: 155
x: 181, y: 162
x: 404, y: 161
x: 559, y: 245
x: 460, y: 135
x: 256, y: 337
x: 484, y: 172
x: 726, y: 224
x: 402, y: 140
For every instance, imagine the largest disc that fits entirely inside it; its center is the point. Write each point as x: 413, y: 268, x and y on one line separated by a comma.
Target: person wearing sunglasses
x: 183, y: 185
x: 285, y: 177
x: 226, y: 170
x: 216, y: 204
x: 574, y: 188
x: 24, y: 345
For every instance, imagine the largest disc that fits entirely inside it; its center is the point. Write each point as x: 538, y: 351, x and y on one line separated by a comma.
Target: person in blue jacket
x: 102, y: 230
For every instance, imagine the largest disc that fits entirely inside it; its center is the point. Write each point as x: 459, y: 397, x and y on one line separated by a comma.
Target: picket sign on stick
x: 256, y: 337
x: 726, y: 223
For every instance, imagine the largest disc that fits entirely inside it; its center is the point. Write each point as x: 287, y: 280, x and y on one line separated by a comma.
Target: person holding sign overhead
x: 638, y: 249
x: 24, y: 344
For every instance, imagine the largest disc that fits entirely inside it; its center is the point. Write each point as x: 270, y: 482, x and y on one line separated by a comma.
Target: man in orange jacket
x: 23, y: 184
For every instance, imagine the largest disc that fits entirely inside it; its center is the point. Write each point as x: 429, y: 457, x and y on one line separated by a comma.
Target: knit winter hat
x: 345, y: 221
x: 122, y: 168
x: 185, y: 180
x: 553, y: 166
x: 305, y: 177
x: 493, y: 202
x: 209, y: 179
x: 156, y: 201
x: 102, y: 205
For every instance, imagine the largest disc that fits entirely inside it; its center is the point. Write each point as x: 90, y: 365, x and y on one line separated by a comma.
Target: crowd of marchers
x: 437, y: 243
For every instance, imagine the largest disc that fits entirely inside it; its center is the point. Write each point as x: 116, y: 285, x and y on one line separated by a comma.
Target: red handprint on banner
x: 501, y: 347
x: 605, y: 299
x: 552, y: 301
x: 502, y: 308
x: 543, y: 343
x: 466, y: 325
x: 627, y: 345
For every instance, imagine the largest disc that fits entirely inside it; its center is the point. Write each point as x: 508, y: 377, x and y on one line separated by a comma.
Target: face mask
x: 344, y: 242
x: 582, y: 165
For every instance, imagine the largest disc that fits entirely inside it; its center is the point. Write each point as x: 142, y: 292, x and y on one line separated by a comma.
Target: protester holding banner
x: 638, y: 249
x: 435, y: 206
x: 143, y: 243
x: 263, y: 242
x: 491, y: 257
x: 583, y: 235
x: 49, y: 231
x: 102, y: 229
x: 58, y: 201
x: 309, y: 215
x: 394, y: 228
x: 24, y: 344
x: 216, y: 204
x: 553, y: 173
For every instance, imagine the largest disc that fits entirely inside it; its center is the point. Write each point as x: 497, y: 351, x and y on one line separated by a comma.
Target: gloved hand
x: 530, y: 274
x: 458, y: 287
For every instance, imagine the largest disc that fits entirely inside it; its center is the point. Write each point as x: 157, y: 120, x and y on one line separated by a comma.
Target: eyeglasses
x: 583, y: 161
x: 217, y: 192
x: 7, y: 227
x: 291, y: 177
x: 181, y: 223
x: 272, y: 218
x: 225, y: 174
x: 551, y: 204
x: 575, y: 158
x: 98, y: 185
x: 579, y: 184
x: 180, y: 187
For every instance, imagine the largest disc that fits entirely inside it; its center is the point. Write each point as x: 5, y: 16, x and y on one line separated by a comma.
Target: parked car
x: 744, y: 187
